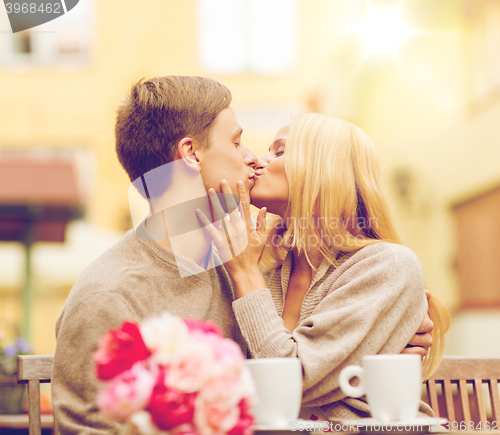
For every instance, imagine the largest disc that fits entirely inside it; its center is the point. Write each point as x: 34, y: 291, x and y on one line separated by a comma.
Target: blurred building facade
x: 432, y: 110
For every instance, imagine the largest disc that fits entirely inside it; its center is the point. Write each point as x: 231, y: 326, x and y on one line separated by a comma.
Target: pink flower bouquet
x: 175, y: 376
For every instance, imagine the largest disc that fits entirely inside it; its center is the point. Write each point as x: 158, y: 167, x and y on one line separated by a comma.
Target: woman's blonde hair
x: 335, y: 197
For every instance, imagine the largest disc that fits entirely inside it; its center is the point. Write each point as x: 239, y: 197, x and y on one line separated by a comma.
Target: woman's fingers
x: 415, y: 350
x: 427, y: 326
x: 245, y: 204
x: 261, y: 221
x: 219, y: 212
x: 229, y: 197
x: 428, y: 295
x: 422, y: 340
x: 205, y: 221
x: 225, y: 249
x: 231, y: 234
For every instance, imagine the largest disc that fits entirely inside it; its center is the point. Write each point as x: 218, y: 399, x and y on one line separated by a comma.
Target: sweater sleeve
x: 373, y: 303
x: 74, y: 384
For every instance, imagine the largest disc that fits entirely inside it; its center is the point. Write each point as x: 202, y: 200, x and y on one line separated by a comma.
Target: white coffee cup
x: 392, y: 384
x: 279, y: 390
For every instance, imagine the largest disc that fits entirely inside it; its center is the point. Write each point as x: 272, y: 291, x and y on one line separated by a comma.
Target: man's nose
x: 249, y: 158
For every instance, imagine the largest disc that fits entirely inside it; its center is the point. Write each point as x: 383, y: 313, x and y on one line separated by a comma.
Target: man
x: 164, y: 120
x: 186, y: 126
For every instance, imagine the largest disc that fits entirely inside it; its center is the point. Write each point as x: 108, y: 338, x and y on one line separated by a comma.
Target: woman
x: 338, y: 285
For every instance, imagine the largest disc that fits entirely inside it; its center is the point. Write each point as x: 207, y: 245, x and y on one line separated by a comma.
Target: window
x: 484, y: 51
x: 478, y: 250
x: 239, y: 36
x: 65, y: 42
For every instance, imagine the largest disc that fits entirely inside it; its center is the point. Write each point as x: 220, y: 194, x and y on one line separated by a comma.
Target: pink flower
x: 169, y: 407
x: 212, y: 418
x: 245, y: 422
x: 184, y: 429
x: 226, y: 388
x: 227, y: 353
x: 217, y: 409
x: 126, y: 393
x: 207, y: 326
x: 119, y: 350
x: 171, y: 376
x: 191, y: 367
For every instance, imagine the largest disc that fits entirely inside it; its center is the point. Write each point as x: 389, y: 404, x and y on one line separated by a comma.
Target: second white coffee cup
x: 392, y: 384
x: 279, y: 390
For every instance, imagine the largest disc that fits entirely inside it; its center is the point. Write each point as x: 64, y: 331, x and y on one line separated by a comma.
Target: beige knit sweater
x: 134, y: 279
x: 374, y: 302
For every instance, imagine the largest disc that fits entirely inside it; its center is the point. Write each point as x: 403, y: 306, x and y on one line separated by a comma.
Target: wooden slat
x: 478, y: 389
x: 34, y: 367
x: 432, y: 395
x: 448, y: 394
x: 495, y: 400
x: 20, y: 421
x: 35, y: 423
x: 459, y: 367
x: 464, y: 396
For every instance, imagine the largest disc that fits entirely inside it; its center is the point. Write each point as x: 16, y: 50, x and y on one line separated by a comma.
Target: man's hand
x: 422, y: 340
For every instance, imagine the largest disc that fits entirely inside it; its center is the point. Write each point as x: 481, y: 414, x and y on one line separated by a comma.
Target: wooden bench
x: 455, y: 401
x: 33, y: 369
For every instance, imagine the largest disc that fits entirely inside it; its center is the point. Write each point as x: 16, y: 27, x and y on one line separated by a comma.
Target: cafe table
x: 301, y: 427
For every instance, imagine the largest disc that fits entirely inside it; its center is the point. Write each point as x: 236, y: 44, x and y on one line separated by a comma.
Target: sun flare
x: 383, y: 30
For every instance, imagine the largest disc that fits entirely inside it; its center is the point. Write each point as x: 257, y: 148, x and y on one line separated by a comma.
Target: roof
x: 40, y: 181
x: 38, y: 197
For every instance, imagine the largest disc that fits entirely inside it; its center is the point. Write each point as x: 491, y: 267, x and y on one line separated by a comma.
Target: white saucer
x: 414, y: 425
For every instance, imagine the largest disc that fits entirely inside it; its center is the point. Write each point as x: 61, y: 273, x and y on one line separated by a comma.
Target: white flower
x: 164, y: 335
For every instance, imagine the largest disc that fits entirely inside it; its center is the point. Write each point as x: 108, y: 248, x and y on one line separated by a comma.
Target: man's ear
x: 187, y: 152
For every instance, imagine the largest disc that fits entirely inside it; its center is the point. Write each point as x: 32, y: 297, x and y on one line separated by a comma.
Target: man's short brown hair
x: 161, y: 111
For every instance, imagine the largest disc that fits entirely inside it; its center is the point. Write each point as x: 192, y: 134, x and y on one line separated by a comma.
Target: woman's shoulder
x: 392, y: 257
x: 391, y: 251
x: 380, y: 265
